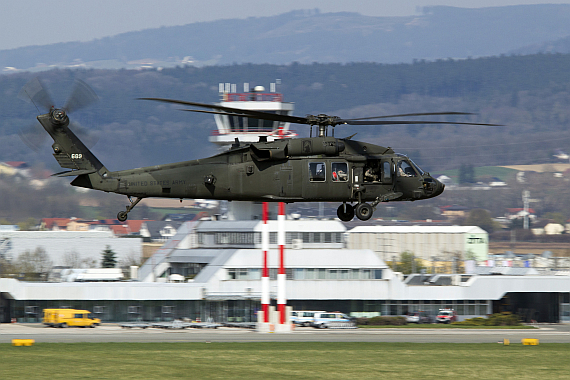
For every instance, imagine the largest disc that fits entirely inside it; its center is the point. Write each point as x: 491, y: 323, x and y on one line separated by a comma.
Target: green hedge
x: 499, y: 319
x: 382, y: 321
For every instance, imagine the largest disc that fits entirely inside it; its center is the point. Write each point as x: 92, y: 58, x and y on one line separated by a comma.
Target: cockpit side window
x: 339, y: 171
x: 405, y: 169
x: 317, y: 172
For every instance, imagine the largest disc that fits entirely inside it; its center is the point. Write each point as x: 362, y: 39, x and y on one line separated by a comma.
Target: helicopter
x: 323, y: 168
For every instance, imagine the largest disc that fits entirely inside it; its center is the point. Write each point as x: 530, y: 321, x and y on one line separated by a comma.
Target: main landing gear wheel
x: 345, y: 212
x: 364, y: 211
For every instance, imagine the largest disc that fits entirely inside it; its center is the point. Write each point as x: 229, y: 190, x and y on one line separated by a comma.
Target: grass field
x: 284, y: 360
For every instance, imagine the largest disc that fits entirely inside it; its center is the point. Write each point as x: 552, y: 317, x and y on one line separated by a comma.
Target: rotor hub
x: 323, y: 121
x: 59, y: 116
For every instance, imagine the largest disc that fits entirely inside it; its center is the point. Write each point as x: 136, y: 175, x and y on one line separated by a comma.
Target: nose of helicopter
x: 432, y: 187
x: 438, y: 188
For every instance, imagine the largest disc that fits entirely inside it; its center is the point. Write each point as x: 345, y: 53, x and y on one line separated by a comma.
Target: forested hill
x: 530, y: 95
x: 310, y: 36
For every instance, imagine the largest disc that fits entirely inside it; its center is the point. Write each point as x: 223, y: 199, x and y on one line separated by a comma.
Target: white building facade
x: 425, y: 242
x: 221, y: 263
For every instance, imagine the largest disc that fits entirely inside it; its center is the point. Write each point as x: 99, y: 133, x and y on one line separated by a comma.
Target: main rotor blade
x: 81, y: 96
x: 34, y: 92
x: 409, y: 122
x: 267, y: 116
x: 413, y: 114
x: 236, y: 111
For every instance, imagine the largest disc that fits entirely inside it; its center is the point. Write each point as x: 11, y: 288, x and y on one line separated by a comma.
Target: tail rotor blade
x: 34, y: 92
x: 81, y: 96
x: 33, y: 136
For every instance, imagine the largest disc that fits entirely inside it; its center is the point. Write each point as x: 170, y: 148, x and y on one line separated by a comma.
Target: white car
x: 323, y: 320
x: 304, y: 317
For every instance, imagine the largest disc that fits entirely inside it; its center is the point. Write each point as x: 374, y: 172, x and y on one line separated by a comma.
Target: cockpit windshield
x: 420, y: 171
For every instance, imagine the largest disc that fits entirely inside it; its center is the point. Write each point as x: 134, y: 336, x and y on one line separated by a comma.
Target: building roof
x: 419, y: 229
x: 60, y: 222
x: 519, y: 209
x: 193, y: 255
x: 255, y: 226
x: 135, y: 225
x: 227, y: 225
x: 308, y: 258
x: 189, y: 217
x: 121, y: 229
x: 17, y: 164
x: 55, y: 234
x: 154, y: 227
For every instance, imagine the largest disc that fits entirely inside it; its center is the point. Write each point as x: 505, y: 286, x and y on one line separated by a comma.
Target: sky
x: 42, y: 22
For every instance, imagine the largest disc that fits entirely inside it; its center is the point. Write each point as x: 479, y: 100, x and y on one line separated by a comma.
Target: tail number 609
x: 76, y: 156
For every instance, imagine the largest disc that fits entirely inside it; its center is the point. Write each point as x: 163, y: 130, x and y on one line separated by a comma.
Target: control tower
x: 248, y: 129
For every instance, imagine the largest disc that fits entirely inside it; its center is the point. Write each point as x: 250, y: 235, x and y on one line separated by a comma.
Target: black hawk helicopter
x: 323, y: 168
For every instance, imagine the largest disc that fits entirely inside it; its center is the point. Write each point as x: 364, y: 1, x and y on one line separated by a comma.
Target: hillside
x: 529, y: 95
x: 311, y: 36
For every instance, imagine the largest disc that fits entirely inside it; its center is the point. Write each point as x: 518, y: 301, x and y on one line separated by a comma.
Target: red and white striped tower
x: 265, y: 273
x: 281, y: 276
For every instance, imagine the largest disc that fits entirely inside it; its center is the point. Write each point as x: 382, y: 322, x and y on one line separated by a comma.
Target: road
x: 114, y: 333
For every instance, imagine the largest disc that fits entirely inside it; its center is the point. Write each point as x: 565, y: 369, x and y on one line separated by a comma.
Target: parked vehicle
x: 323, y: 320
x: 419, y: 317
x: 304, y: 317
x: 69, y: 317
x: 446, y: 316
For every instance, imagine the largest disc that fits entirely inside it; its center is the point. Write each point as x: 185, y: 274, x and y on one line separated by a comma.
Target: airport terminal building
x: 212, y: 269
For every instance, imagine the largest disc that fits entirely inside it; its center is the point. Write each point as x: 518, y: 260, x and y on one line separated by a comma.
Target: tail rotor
x: 35, y: 92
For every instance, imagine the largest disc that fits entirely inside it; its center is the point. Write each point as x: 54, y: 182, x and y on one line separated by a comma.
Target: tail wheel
x: 122, y: 216
x: 364, y: 211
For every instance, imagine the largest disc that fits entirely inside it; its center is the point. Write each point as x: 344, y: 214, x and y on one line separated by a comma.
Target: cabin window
x: 406, y: 170
x: 372, y: 171
x: 317, y: 172
x: 339, y: 171
x: 386, y: 172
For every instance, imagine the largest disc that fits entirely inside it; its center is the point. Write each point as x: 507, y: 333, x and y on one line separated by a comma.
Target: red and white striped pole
x: 265, y: 273
x: 281, y: 276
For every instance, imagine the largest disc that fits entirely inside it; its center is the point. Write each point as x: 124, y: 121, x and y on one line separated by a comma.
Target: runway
x: 114, y: 333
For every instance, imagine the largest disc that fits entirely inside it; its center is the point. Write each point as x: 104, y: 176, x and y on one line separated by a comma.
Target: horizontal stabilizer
x: 74, y: 173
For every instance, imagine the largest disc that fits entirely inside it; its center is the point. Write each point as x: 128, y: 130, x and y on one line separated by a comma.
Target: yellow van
x: 69, y: 317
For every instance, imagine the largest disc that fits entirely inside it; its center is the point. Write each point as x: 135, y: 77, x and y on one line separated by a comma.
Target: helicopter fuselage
x: 290, y: 170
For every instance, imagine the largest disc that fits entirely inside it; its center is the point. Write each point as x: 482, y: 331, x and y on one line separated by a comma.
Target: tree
x: 466, y: 174
x: 74, y: 260
x: 33, y: 265
x: 109, y: 259
x: 556, y: 217
x: 409, y: 263
x: 28, y: 225
x: 481, y: 218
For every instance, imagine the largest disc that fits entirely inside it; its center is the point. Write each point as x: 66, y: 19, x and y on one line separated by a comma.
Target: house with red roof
x: 54, y: 224
x: 130, y: 227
